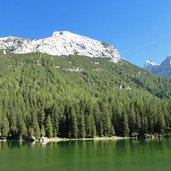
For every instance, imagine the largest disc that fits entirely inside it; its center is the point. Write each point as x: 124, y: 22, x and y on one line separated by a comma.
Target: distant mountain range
x: 164, y: 69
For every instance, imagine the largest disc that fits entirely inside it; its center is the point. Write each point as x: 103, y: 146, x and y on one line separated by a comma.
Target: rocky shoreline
x: 88, y: 139
x: 45, y: 140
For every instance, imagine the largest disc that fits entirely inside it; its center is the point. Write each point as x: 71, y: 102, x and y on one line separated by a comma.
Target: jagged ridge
x: 150, y: 65
x: 164, y: 69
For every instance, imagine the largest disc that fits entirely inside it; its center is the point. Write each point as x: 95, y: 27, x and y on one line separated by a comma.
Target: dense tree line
x: 77, y: 117
x: 40, y: 100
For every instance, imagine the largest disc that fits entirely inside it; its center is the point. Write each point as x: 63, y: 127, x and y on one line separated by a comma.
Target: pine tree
x: 22, y: 129
x: 4, y: 126
x: 161, y: 124
x: 137, y: 121
x: 36, y: 126
x: 124, y: 125
x: 88, y: 126
x: 41, y: 116
x: 42, y: 131
x: 36, y: 130
x: 49, y: 130
x: 131, y: 119
x: 93, y: 127
x: 30, y: 132
x: 81, y: 127
x: 101, y: 129
x: 74, y: 124
x: 97, y: 120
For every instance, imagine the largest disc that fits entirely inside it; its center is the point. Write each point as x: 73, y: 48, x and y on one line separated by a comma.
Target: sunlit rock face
x: 163, y: 70
x: 150, y: 66
x: 61, y: 43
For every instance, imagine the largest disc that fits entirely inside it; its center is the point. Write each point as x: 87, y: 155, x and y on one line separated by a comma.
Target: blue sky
x: 139, y: 29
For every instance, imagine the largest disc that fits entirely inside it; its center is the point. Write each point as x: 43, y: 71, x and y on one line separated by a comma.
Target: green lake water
x: 122, y: 155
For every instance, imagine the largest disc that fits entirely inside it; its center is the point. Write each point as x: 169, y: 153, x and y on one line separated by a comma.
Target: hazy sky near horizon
x: 139, y: 29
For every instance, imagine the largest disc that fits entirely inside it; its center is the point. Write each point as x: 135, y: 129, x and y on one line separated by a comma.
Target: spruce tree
x: 22, y: 129
x: 74, y: 124
x: 81, y: 127
x: 4, y: 126
x: 42, y: 131
x: 124, y: 125
x: 131, y: 119
x: 49, y: 129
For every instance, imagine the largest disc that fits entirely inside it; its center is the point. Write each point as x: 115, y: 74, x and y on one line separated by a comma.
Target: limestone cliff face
x: 61, y: 43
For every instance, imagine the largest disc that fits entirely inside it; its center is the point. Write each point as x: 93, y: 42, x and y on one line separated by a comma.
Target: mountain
x: 150, y: 65
x: 61, y: 43
x: 78, y: 96
x: 164, y: 69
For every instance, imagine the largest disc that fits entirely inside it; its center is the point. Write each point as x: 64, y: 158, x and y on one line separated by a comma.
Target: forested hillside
x: 78, y: 97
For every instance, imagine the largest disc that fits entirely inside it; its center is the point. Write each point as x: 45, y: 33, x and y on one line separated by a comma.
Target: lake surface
x: 122, y: 155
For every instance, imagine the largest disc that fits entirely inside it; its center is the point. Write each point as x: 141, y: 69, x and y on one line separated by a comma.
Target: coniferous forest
x: 77, y: 97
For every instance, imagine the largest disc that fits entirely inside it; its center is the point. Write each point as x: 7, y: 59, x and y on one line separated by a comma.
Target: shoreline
x: 45, y: 140
x: 114, y: 138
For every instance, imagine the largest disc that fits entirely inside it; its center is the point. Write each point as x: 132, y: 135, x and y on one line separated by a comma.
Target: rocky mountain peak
x: 150, y: 65
x: 61, y: 43
x: 164, y: 69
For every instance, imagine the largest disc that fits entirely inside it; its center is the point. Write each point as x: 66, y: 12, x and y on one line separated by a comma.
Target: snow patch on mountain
x: 164, y: 69
x: 150, y: 65
x: 61, y: 43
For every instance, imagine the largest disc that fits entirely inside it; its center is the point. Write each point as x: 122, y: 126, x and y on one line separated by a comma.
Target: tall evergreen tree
x: 4, y: 126
x: 81, y: 127
x: 124, y: 125
x: 49, y: 129
x: 74, y: 123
